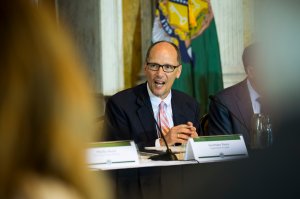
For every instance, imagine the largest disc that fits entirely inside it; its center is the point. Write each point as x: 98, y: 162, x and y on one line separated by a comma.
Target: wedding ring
x: 177, y: 135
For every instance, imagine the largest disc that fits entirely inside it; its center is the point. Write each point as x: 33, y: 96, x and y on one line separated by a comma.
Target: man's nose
x: 160, y: 71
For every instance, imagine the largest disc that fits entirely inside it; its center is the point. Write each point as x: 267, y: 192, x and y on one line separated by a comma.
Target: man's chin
x: 160, y: 94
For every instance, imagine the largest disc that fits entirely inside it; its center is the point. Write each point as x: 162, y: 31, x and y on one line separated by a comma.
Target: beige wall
x: 234, y: 20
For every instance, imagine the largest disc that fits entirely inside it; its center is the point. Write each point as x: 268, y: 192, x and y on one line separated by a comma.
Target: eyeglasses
x: 166, y: 67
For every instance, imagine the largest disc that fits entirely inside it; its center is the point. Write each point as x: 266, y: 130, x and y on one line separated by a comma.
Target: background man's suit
x: 237, y: 99
x: 129, y: 115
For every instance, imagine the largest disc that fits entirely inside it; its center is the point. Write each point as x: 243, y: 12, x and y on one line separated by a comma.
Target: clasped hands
x: 180, y: 134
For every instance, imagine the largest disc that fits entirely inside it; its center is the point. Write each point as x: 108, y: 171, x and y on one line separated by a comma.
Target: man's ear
x: 179, y: 71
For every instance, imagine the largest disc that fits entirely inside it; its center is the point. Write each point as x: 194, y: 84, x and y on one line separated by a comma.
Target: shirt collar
x: 253, y: 94
x: 155, y: 101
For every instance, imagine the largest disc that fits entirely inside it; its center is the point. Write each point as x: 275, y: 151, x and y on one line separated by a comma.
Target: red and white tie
x: 163, y: 119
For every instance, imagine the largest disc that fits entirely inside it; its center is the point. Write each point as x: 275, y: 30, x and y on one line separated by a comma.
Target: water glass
x: 261, y: 133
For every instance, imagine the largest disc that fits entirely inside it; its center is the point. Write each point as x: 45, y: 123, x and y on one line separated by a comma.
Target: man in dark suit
x: 232, y: 109
x: 131, y: 114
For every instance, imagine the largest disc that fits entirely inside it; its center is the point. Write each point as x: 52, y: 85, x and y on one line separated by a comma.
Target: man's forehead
x: 163, y: 45
x: 163, y: 49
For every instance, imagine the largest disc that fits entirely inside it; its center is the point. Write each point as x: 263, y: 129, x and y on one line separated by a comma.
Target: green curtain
x: 202, y: 77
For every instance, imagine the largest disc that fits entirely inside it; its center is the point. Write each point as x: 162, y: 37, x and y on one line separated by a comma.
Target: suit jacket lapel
x: 244, y: 104
x: 145, y: 113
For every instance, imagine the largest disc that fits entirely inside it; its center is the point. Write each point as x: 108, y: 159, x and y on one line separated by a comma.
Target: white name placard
x: 116, y: 152
x: 216, y: 148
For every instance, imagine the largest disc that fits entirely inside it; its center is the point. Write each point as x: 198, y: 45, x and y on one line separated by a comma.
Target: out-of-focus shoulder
x: 37, y: 187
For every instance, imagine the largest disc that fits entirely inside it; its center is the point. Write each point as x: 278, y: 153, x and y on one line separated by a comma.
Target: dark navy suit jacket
x: 237, y: 99
x: 129, y: 115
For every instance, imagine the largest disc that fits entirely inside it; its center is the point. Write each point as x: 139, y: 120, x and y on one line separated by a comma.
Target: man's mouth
x: 159, y: 83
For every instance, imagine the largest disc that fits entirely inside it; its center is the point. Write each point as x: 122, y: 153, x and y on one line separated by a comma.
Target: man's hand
x: 181, y: 133
x: 193, y: 129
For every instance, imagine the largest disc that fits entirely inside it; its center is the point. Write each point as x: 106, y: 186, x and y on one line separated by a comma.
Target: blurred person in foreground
x: 130, y: 113
x: 46, y: 113
x: 242, y: 100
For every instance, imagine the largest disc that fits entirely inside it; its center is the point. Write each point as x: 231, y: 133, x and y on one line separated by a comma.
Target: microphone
x: 168, y: 155
x: 217, y: 101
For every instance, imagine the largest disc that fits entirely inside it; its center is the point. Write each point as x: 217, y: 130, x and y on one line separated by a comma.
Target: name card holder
x: 216, y: 148
x: 115, y: 152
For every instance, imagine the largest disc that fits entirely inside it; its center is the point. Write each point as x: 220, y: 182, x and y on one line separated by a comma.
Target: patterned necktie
x: 163, y: 119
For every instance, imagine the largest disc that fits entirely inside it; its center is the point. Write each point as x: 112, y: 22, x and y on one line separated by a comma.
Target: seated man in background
x: 231, y: 110
x: 138, y: 113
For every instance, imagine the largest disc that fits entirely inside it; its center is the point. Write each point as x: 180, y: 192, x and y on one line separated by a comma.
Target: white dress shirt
x: 254, y: 97
x: 155, y: 101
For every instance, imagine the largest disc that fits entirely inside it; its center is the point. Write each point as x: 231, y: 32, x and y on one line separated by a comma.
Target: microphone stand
x: 168, y: 155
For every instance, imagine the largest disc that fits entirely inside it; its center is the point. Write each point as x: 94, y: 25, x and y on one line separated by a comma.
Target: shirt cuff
x: 157, y: 142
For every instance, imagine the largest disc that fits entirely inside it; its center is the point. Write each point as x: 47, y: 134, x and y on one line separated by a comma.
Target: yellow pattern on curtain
x: 131, y: 41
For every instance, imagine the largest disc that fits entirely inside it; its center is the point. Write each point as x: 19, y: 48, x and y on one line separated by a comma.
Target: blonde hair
x: 46, y: 110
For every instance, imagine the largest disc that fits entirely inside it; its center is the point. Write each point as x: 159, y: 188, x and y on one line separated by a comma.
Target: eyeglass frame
x: 162, y: 66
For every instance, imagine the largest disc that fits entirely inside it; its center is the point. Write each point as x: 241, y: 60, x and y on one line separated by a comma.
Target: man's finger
x: 185, y: 131
x: 182, y: 136
x: 189, y: 123
x: 181, y: 126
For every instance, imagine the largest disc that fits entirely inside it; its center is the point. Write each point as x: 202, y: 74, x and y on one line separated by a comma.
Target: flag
x: 191, y: 26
